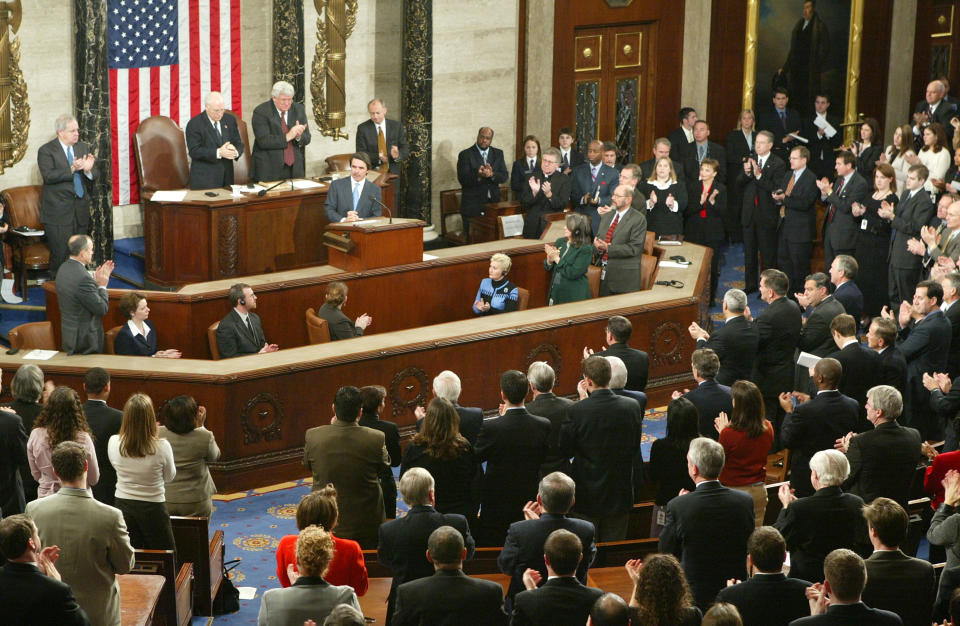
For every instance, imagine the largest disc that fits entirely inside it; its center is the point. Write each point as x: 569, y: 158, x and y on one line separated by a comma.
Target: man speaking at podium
x: 354, y: 198
x: 214, y: 143
x: 281, y: 131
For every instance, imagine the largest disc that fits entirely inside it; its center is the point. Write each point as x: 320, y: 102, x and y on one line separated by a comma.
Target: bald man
x: 592, y: 185
x: 214, y: 143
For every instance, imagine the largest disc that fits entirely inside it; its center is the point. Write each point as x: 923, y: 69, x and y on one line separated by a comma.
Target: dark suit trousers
x: 901, y: 284
x: 794, y: 260
x: 762, y: 239
x: 148, y: 524
x: 57, y: 236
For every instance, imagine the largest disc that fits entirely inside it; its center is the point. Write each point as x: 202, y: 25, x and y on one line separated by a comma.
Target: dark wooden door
x: 936, y: 42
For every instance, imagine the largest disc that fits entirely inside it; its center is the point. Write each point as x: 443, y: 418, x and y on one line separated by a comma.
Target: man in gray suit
x: 282, y: 134
x: 66, y: 166
x: 619, y: 242
x: 241, y: 332
x: 93, y: 539
x: 83, y: 300
x: 381, y: 139
x: 840, y: 226
x: 355, y: 198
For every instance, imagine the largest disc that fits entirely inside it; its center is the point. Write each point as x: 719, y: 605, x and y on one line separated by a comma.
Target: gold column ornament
x: 14, y: 108
x: 327, y: 74
x: 750, y: 53
x: 850, y: 115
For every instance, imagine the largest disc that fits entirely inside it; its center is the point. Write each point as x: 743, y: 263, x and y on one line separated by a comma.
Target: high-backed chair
x: 33, y: 336
x: 241, y: 167
x: 523, y: 298
x: 317, y: 329
x: 338, y: 162
x: 649, y: 241
x: 110, y: 339
x: 450, y: 208
x: 161, y: 152
x: 648, y: 270
x: 212, y: 340
x: 593, y: 277
x: 29, y: 253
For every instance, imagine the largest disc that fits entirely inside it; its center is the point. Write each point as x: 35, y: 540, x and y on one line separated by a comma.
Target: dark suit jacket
x: 912, y: 214
x: 816, y: 525
x: 778, y: 329
x: 581, y: 184
x: 953, y: 356
x: 13, y: 454
x: 768, y: 599
x: 736, y: 345
x: 29, y: 598
x: 514, y: 447
x: 367, y: 142
x: 861, y: 371
x: 403, y: 545
x: 637, y: 362
x: 893, y: 368
x: 271, y: 141
x: 104, y: 422
x: 678, y: 143
x: 691, y: 165
x: 737, y: 149
x: 758, y: 205
x: 559, y: 602
x: 923, y: 346
x: 537, y: 205
x: 842, y: 231
x: 800, y: 215
x: 450, y: 598
x: 822, y: 155
x: 707, y: 530
x: 813, y: 426
x: 575, y: 158
x: 391, y: 435
x: 553, y: 408
x: 82, y: 307
x: 57, y: 197
x: 206, y: 170
x: 710, y: 398
x: 625, y: 250
x: 815, y: 335
x: 471, y: 421
x: 883, y: 462
x: 340, y: 200
x: 339, y: 325
x: 602, y: 437
x: 850, y: 614
x: 850, y: 296
x: 128, y: 344
x: 769, y: 119
x: 943, y: 114
x: 707, y: 230
x: 235, y: 339
x: 901, y: 584
x: 521, y: 171
x: 523, y: 547
x: 477, y: 190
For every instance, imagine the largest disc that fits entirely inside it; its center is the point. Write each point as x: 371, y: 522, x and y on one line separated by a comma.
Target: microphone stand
x: 389, y: 212
x: 263, y: 192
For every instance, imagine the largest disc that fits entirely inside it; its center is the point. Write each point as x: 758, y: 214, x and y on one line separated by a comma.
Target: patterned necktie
x: 216, y: 127
x: 593, y: 173
x: 77, y: 181
x: 793, y: 181
x: 613, y: 227
x: 833, y: 207
x: 701, y: 152
x: 783, y: 119
x: 288, y: 157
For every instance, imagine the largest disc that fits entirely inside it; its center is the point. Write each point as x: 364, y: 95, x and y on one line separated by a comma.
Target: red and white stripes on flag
x: 165, y: 56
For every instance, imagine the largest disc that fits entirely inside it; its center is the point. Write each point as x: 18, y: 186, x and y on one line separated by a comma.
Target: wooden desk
x: 138, y: 598
x: 611, y: 579
x: 484, y: 227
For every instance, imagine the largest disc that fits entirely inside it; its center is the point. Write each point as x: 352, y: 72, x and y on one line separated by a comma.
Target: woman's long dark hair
x: 747, y: 408
x: 683, y: 422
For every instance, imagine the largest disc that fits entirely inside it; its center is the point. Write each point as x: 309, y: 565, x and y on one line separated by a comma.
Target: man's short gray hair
x: 541, y: 376
x: 886, y: 399
x: 281, y: 88
x: 736, y: 300
x: 831, y: 466
x: 27, y: 384
x: 211, y: 97
x: 344, y: 615
x: 767, y: 134
x: 62, y: 120
x: 557, y: 491
x: 415, y: 486
x: 618, y: 372
x: 707, y: 455
x: 954, y: 278
x: 446, y: 385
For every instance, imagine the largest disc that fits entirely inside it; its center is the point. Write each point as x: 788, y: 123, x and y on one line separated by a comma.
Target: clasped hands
x: 696, y: 332
x: 536, y: 186
x: 552, y: 252
x: 101, y: 275
x: 295, y: 131
x: 951, y: 486
x: 786, y: 399
x: 906, y: 313
x: 84, y: 163
x: 485, y: 171
x: 228, y: 151
x: 937, y: 380
x: 825, y: 186
x: 857, y: 209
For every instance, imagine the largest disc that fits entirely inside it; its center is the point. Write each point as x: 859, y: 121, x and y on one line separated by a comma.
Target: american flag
x: 165, y: 56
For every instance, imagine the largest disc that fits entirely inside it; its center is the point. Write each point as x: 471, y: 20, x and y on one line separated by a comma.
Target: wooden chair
x: 648, y: 271
x: 338, y: 162
x: 777, y: 466
x: 212, y: 340
x: 523, y: 298
x: 317, y: 329
x: 617, y: 553
x: 175, y: 605
x: 241, y: 167
x: 190, y: 537
x: 109, y: 339
x: 33, y: 336
x: 638, y: 526
x: 450, y: 208
x: 648, y: 243
x: 29, y: 253
x: 593, y: 277
x: 161, y: 154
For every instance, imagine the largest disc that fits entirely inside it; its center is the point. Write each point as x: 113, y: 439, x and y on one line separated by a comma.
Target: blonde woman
x: 666, y: 200
x: 496, y: 294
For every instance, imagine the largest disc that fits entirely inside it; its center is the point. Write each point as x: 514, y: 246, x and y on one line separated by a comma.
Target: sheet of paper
x: 674, y: 264
x: 168, y: 196
x: 252, y: 189
x: 40, y: 355
x: 512, y: 225
x: 429, y: 257
x: 668, y: 242
x: 797, y: 137
x: 823, y: 124
x: 305, y: 184
x: 247, y: 593
x: 807, y: 360
x: 30, y: 233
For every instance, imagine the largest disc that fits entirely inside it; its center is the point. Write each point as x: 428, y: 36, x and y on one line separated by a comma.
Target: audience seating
x: 212, y: 339
x: 593, y: 277
x: 778, y: 464
x: 617, y: 553
x: 139, y: 596
x: 648, y: 243
x: 175, y: 605
x: 450, y: 208
x: 190, y: 535
x: 317, y: 329
x: 648, y: 270
x: 22, y: 206
x: 168, y: 166
x: 33, y: 336
x: 638, y: 526
x: 523, y: 298
x: 109, y: 340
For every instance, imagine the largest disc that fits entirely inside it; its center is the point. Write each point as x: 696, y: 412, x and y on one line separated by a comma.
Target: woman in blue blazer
x: 138, y: 337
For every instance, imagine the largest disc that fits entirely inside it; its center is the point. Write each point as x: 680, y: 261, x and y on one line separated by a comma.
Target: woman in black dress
x: 666, y: 200
x: 441, y: 450
x: 705, y: 214
x: 869, y: 148
x: 873, y: 240
x: 668, y: 458
x: 522, y: 171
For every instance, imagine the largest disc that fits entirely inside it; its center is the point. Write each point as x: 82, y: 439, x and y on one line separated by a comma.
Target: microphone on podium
x: 389, y: 212
x: 263, y: 192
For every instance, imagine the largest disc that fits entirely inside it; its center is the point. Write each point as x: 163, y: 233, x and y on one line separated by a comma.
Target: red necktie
x: 613, y: 227
x: 833, y: 207
x: 288, y: 158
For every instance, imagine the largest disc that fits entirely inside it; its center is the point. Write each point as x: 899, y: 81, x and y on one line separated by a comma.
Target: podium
x: 373, y: 243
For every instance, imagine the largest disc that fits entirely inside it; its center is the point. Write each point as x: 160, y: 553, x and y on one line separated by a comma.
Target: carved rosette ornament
x: 666, y: 342
x: 261, y: 418
x: 549, y: 352
x: 227, y: 244
x: 335, y: 22
x: 14, y: 108
x: 408, y: 390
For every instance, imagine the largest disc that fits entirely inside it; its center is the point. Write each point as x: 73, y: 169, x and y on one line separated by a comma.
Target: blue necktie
x: 356, y: 195
x: 77, y: 182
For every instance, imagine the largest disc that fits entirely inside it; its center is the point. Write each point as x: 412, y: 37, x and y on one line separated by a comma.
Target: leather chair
x: 338, y: 162
x: 212, y: 340
x: 161, y: 152
x: 110, y: 339
x: 29, y: 253
x: 317, y: 329
x: 523, y: 299
x: 593, y: 277
x: 450, y: 207
x: 648, y: 271
x: 33, y: 336
x: 241, y: 167
x: 648, y: 243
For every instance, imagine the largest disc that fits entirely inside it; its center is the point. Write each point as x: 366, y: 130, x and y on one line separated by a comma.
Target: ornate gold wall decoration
x: 327, y: 73
x: 14, y: 108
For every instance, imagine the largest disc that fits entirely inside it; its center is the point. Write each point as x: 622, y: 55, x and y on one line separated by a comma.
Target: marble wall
x: 539, y: 85
x: 696, y: 56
